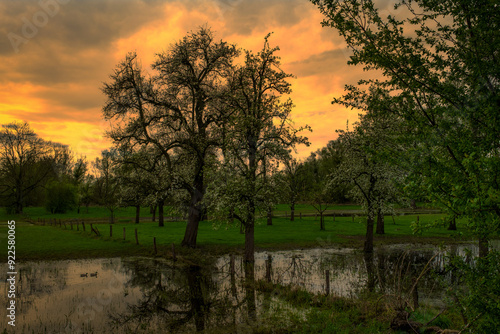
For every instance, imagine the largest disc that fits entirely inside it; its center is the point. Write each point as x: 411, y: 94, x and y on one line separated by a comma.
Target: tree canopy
x: 440, y: 76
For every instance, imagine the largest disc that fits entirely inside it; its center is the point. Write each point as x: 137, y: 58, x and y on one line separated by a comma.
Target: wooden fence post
x: 327, y: 285
x: 231, y: 265
x: 83, y: 225
x: 173, y: 252
x: 268, y: 268
x: 110, y: 231
x: 300, y: 215
x: 154, y: 244
x: 136, y: 238
x: 124, y: 233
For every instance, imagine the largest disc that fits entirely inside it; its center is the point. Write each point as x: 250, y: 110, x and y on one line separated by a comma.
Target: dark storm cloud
x: 244, y: 17
x: 71, y: 44
x: 327, y: 61
x: 79, y: 98
x: 76, y: 24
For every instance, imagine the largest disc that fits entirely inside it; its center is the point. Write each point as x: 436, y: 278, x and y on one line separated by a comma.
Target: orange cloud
x: 54, y: 81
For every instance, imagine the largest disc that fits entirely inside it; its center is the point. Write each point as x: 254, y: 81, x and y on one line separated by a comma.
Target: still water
x: 144, y: 295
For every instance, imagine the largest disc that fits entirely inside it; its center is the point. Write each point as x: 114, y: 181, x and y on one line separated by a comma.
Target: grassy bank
x: 317, y: 313
x: 54, y: 242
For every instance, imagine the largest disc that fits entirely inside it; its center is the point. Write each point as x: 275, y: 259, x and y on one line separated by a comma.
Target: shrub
x: 61, y: 197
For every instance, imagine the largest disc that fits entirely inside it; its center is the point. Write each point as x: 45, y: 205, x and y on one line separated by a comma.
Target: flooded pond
x: 143, y: 295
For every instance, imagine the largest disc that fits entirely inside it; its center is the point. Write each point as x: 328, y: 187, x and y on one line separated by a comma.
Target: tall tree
x: 175, y: 110
x: 293, y: 182
x: 440, y: 74
x: 144, y: 179
x: 366, y: 167
x: 319, y: 192
x: 259, y: 131
x: 78, y: 176
x: 27, y: 162
x: 107, y: 183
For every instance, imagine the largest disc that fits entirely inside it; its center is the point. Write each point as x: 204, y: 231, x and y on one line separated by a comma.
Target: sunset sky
x: 55, y: 55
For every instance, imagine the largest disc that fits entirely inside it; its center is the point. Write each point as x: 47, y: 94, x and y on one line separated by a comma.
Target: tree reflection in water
x: 185, y: 299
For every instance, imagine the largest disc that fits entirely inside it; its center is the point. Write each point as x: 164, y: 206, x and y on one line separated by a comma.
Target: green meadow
x: 49, y: 241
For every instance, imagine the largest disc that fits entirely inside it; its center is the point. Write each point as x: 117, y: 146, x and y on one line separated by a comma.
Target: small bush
x: 61, y: 197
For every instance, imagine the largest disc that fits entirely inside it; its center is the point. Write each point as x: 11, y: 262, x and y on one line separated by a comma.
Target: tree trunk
x: 369, y: 231
x: 269, y: 216
x: 19, y: 199
x: 160, y: 214
x: 137, y: 213
x: 453, y: 225
x: 19, y: 207
x: 321, y: 222
x: 483, y: 247
x: 250, y: 293
x: 370, y: 270
x: 194, y: 216
x: 204, y: 214
x: 153, y: 211
x: 249, y: 242
x: 112, y: 217
x: 413, y: 204
x: 198, y: 304
x: 380, y: 222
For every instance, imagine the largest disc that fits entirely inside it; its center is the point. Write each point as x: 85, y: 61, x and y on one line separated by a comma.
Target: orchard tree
x: 107, y: 183
x: 134, y: 185
x: 440, y: 74
x: 317, y: 169
x: 175, y: 110
x: 78, y: 176
x: 292, y: 181
x: 144, y: 179
x: 259, y: 132
x: 365, y: 166
x: 27, y: 163
x: 86, y: 191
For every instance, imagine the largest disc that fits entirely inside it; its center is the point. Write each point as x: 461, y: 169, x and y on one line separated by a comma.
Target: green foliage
x: 317, y: 170
x: 61, y: 196
x: 476, y: 294
x: 439, y: 80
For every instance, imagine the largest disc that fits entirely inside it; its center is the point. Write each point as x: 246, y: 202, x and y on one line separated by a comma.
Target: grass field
x: 54, y: 242
x: 128, y: 213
